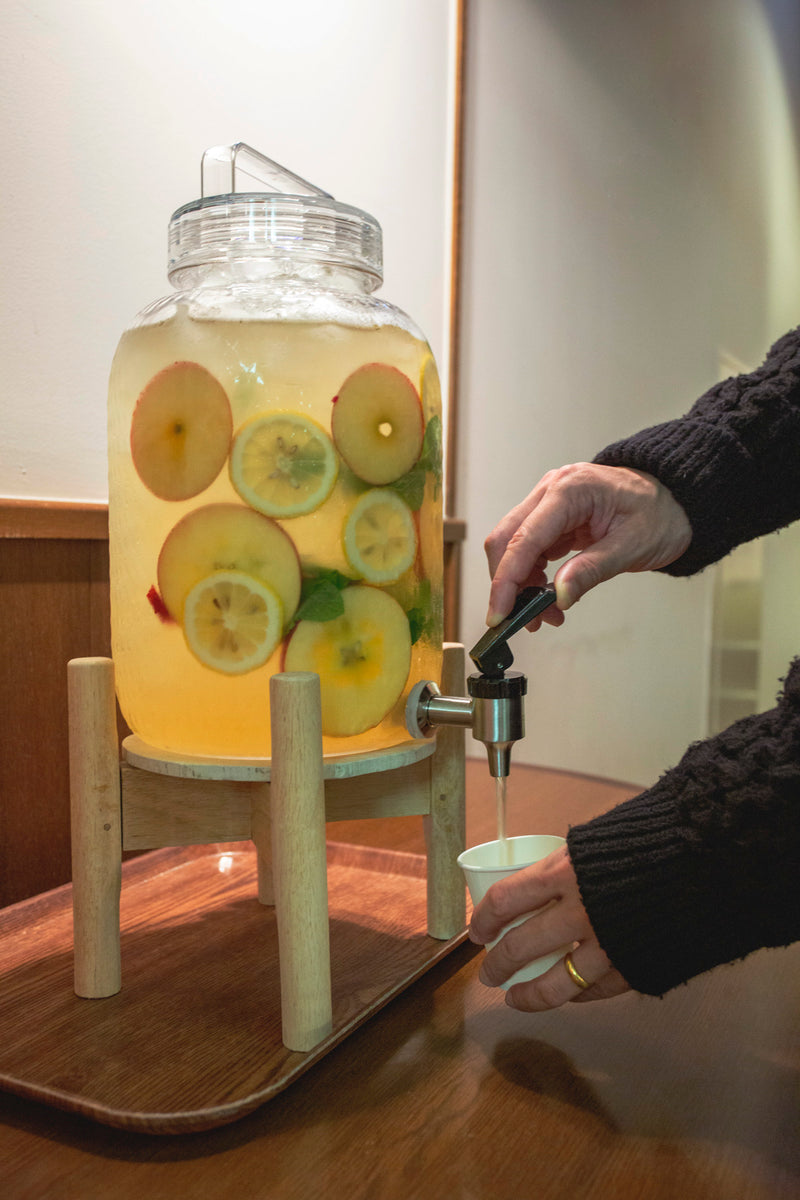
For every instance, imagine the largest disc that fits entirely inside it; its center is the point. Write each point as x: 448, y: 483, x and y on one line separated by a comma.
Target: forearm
x: 732, y: 461
x: 702, y: 868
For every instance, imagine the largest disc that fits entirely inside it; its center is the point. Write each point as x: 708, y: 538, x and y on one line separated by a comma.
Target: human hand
x: 616, y: 518
x: 550, y: 887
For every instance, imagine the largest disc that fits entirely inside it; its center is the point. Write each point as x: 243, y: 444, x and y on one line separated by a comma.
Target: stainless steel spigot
x: 495, y: 710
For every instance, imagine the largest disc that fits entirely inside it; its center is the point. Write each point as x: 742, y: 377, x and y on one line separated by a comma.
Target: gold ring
x: 574, y: 974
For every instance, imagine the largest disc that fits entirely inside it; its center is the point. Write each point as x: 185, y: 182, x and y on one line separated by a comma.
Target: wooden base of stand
x: 155, y: 800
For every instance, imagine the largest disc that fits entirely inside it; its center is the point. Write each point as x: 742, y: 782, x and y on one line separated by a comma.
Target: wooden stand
x: 154, y: 799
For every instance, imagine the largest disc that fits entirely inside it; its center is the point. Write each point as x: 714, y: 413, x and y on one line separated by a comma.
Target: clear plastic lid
x: 251, y: 208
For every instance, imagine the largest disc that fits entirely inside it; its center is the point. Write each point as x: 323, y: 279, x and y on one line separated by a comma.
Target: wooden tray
x: 193, y: 1040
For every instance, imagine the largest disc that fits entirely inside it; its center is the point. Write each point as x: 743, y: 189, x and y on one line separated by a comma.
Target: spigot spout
x: 426, y: 708
x: 495, y: 709
x: 498, y: 716
x: 494, y: 712
x: 499, y: 759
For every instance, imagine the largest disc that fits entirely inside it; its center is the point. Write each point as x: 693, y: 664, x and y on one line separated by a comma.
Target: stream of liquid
x: 505, y: 847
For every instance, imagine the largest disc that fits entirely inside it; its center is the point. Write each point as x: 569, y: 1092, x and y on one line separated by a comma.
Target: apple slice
x: 181, y: 431
x: 232, y: 622
x: 227, y: 537
x: 377, y: 423
x: 362, y: 659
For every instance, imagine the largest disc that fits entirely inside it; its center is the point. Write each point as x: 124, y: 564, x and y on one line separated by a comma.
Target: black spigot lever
x: 492, y: 654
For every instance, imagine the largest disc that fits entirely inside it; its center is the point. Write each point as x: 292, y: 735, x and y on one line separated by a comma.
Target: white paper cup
x: 483, y: 865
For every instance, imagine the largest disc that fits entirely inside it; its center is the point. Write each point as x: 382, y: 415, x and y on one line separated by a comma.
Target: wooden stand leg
x: 299, y: 859
x: 445, y: 826
x: 95, y: 802
x: 261, y: 835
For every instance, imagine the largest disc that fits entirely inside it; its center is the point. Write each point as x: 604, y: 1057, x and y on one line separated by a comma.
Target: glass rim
x: 556, y: 838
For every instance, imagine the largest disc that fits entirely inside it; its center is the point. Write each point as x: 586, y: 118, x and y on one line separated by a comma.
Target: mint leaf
x: 431, y: 457
x: 323, y: 602
x: 411, y: 487
x: 419, y: 616
x: 416, y: 624
x: 312, y: 576
x: 321, y: 595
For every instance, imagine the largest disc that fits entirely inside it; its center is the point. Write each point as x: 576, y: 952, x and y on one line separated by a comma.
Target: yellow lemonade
x: 252, y: 524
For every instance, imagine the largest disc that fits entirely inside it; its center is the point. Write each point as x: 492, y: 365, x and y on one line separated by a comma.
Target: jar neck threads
x: 263, y: 235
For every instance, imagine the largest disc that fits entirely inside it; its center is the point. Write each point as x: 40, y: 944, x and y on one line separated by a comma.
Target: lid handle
x: 239, y: 168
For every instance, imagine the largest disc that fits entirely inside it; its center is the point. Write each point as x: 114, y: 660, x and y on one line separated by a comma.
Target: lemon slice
x: 430, y: 388
x: 380, y: 536
x: 283, y: 464
x: 232, y: 622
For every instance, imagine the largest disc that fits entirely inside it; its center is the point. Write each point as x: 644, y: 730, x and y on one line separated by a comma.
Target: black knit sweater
x: 704, y: 867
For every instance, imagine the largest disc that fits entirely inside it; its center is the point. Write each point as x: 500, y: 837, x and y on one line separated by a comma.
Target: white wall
x: 631, y: 212
x: 106, y: 107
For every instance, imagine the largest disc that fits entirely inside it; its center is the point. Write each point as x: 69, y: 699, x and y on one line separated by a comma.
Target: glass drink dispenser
x: 275, y: 499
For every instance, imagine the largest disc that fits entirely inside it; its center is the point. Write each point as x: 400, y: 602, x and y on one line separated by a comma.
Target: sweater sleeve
x: 702, y: 868
x: 733, y: 461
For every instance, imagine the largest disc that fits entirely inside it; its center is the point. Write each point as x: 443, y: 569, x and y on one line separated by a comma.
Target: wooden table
x: 447, y: 1093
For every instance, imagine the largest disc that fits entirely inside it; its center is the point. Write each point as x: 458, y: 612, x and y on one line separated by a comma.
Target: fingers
x: 616, y: 519
x: 561, y: 923
x: 525, y: 891
x: 609, y: 985
x: 557, y: 986
x: 501, y: 535
x: 553, y: 530
x: 519, y: 549
x: 551, y: 616
x: 608, y: 557
x: 545, y: 900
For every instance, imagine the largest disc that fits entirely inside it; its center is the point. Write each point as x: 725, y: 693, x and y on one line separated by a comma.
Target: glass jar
x: 274, y: 483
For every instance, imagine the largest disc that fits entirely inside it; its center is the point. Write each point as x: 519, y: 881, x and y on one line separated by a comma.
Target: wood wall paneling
x: 55, y: 603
